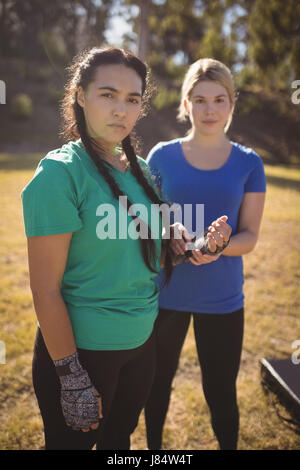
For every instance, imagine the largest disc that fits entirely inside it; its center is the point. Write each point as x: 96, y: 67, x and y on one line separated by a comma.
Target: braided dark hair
x: 82, y: 73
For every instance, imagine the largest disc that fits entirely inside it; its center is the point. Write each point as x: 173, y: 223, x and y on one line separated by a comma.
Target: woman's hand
x: 80, y: 401
x: 219, y: 233
x: 198, y: 258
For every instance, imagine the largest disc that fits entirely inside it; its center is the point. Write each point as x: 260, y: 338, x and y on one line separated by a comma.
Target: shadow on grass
x: 13, y: 162
x: 281, y: 182
x: 29, y: 161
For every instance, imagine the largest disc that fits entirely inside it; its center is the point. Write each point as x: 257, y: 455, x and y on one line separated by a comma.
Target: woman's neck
x: 106, y: 149
x: 206, y: 141
x: 206, y: 152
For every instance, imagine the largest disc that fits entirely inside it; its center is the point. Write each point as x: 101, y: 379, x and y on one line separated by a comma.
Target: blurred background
x: 260, y: 41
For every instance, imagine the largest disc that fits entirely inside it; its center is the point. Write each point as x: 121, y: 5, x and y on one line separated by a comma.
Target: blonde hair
x: 203, y: 70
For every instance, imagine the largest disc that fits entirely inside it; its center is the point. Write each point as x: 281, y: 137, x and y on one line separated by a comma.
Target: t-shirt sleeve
x: 148, y: 175
x: 256, y: 181
x: 153, y: 163
x: 49, y: 201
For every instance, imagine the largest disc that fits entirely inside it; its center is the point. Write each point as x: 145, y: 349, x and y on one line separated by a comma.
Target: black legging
x: 123, y: 379
x: 219, y: 343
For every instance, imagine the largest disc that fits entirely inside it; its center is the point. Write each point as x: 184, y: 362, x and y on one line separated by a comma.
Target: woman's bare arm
x: 47, y: 257
x: 250, y: 217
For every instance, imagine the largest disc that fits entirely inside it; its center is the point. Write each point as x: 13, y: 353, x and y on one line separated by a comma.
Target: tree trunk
x: 143, y: 40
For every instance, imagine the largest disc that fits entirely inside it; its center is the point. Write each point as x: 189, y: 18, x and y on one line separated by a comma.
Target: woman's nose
x: 119, y: 109
x: 209, y: 107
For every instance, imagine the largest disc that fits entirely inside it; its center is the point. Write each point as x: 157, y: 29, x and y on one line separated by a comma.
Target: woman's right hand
x: 81, y: 403
x: 179, y: 237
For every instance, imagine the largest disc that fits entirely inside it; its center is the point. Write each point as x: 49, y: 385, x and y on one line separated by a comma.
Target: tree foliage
x: 187, y: 29
x: 263, y: 36
x: 274, y: 30
x: 31, y: 28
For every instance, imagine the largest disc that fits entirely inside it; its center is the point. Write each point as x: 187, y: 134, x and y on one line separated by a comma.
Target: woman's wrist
x: 219, y: 249
x: 67, y: 365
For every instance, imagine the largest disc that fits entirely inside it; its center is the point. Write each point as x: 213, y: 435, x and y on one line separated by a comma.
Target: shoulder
x: 247, y: 153
x: 248, y: 158
x: 67, y: 156
x: 143, y: 164
x: 163, y: 149
x: 64, y: 159
x: 58, y: 167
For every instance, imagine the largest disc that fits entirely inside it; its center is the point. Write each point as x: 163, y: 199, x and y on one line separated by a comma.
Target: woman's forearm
x: 55, y: 323
x: 240, y: 244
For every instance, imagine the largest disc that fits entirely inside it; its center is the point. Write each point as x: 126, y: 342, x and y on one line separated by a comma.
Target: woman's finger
x: 211, y: 243
x: 197, y: 256
x: 100, y: 407
x: 186, y: 235
x: 216, y: 236
x: 94, y: 426
x: 178, y: 246
x: 179, y: 232
x: 223, y: 228
x: 210, y: 258
x: 193, y: 261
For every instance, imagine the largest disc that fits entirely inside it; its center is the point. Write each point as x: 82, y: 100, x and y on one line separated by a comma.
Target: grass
x: 272, y: 275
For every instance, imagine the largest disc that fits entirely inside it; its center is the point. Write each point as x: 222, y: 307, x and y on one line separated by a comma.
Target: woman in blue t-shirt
x: 206, y: 167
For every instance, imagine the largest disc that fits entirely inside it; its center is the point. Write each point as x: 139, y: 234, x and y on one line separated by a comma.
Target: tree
x: 187, y: 29
x: 143, y: 39
x: 31, y: 28
x: 274, y: 30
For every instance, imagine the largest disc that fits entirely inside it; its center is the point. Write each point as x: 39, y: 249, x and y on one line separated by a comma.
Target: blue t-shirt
x: 216, y: 287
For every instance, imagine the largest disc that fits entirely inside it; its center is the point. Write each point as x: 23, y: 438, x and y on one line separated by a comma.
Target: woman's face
x: 208, y: 107
x: 111, y: 103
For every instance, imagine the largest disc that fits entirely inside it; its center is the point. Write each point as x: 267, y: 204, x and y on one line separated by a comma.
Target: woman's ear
x: 80, y: 97
x: 186, y: 107
x: 233, y: 103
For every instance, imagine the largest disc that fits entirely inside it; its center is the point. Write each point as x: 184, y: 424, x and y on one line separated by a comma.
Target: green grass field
x: 272, y: 292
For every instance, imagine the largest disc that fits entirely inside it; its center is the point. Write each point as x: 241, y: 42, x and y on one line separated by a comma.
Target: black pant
x: 219, y: 344
x: 123, y: 379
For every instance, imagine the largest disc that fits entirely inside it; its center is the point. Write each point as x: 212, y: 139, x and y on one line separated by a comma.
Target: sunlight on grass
x: 272, y: 275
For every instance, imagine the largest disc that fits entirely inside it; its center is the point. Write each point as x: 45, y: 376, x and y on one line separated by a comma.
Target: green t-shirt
x: 110, y: 294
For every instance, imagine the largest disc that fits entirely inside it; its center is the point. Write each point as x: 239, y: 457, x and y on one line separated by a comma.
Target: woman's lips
x: 209, y: 122
x: 117, y: 126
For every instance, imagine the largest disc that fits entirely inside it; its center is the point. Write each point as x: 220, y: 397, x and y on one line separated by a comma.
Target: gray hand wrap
x: 78, y: 402
x: 200, y: 243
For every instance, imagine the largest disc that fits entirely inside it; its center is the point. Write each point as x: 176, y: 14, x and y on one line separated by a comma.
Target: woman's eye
x: 133, y: 100
x: 220, y: 100
x: 107, y: 95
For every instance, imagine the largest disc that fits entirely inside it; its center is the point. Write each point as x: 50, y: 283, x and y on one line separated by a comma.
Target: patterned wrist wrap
x: 201, y: 244
x: 78, y: 402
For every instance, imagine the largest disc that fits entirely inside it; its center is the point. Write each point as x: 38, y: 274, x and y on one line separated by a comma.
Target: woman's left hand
x: 219, y: 233
x: 198, y: 258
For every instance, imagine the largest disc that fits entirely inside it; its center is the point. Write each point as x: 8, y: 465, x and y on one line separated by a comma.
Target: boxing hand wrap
x: 78, y: 400
x: 200, y: 243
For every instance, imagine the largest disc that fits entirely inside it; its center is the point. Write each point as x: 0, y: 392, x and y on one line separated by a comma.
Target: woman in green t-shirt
x: 92, y: 272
